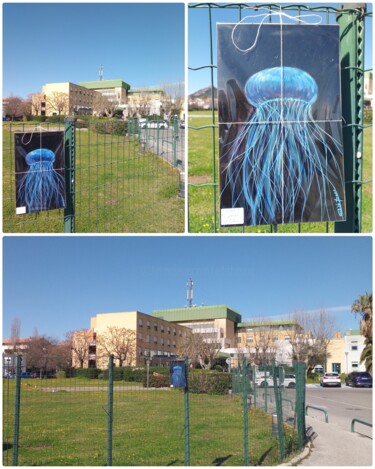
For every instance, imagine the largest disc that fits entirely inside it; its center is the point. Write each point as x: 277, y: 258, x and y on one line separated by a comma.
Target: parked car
x: 289, y: 380
x: 330, y: 379
x: 155, y: 124
x: 359, y: 378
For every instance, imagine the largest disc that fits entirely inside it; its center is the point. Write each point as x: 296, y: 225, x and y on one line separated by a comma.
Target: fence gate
x: 116, y: 179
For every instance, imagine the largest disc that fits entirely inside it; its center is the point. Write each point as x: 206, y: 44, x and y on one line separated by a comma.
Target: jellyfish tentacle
x: 287, y: 155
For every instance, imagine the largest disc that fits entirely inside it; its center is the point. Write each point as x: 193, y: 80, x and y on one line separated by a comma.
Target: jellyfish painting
x: 39, y: 186
x: 283, y: 161
x: 286, y: 154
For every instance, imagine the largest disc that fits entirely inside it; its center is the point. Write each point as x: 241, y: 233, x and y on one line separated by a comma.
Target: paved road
x: 342, y: 405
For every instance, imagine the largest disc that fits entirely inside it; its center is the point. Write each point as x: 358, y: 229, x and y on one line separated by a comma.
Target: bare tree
x: 262, y: 350
x: 15, y: 330
x: 63, y: 354
x: 80, y: 342
x: 104, y: 106
x: 199, y: 351
x: 120, y: 342
x: 13, y: 107
x: 310, y: 342
x: 59, y: 102
x: 174, y: 97
x: 36, y: 103
x: 41, y: 354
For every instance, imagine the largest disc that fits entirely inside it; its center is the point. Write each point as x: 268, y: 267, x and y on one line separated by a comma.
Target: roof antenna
x: 190, y: 293
x: 100, y: 72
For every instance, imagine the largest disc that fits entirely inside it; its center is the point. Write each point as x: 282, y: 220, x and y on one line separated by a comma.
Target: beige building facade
x: 63, y: 99
x: 155, y: 340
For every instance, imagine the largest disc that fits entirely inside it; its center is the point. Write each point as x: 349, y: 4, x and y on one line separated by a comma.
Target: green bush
x: 367, y: 116
x: 55, y: 119
x: 210, y: 382
x: 156, y: 381
x: 110, y: 127
x: 89, y: 373
x: 39, y: 118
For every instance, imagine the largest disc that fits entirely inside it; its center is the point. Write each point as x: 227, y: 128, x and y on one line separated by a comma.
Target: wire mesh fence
x: 114, y: 182
x: 203, y: 139
x: 134, y: 417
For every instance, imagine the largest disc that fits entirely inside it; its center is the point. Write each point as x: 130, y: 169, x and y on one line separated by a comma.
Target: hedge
x: 156, y: 380
x: 90, y: 373
x: 110, y: 127
x: 209, y: 382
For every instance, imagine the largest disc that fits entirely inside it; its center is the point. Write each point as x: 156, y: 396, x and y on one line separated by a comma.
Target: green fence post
x: 300, y: 403
x: 175, y: 137
x: 254, y: 386
x: 70, y: 137
x: 279, y: 408
x: 352, y: 76
x: 17, y: 408
x: 186, y: 400
x: 245, y: 413
x: 110, y: 410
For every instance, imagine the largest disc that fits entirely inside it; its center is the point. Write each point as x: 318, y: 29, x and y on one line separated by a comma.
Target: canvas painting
x: 40, y: 171
x: 280, y: 126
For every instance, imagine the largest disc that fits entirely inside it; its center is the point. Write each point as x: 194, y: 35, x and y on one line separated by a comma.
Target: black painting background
x: 26, y: 142
x: 312, y: 48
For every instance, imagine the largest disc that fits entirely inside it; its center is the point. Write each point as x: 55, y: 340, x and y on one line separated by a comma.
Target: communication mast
x: 189, y: 293
x: 100, y: 72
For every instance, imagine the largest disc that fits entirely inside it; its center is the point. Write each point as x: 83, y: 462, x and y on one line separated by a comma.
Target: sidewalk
x: 337, y: 447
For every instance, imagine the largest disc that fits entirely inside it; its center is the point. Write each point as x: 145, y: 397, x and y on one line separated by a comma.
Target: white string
x: 270, y: 14
x: 35, y: 129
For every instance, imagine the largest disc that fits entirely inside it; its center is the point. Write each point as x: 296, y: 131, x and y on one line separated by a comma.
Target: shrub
x: 89, y: 373
x: 156, y: 380
x: 110, y: 127
x: 367, y: 116
x: 55, y: 119
x: 210, y: 382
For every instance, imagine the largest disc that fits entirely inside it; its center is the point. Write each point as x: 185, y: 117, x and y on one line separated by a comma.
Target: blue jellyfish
x: 282, y: 166
x: 41, y: 187
x: 178, y: 377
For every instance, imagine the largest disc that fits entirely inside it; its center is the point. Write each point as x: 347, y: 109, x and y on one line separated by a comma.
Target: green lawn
x: 70, y: 428
x: 118, y: 188
x: 204, y: 209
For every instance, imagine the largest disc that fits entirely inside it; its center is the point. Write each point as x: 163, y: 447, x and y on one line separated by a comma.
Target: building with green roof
x: 216, y: 323
x: 113, y: 90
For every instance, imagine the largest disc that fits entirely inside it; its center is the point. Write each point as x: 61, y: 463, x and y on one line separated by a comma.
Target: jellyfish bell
x: 40, y: 155
x: 280, y: 83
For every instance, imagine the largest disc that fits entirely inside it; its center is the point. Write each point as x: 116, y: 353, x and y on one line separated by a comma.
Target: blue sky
x: 199, y: 37
x: 56, y: 283
x: 142, y: 44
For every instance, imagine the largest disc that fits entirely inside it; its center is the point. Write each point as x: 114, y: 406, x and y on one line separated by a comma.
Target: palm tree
x: 363, y: 307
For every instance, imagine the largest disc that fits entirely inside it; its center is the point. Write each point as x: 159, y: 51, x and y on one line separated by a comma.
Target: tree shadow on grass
x: 221, y: 461
x: 7, y: 446
x: 260, y: 461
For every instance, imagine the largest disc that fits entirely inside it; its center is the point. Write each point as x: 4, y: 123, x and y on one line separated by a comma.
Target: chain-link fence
x: 115, y: 181
x: 203, y: 139
x: 133, y: 417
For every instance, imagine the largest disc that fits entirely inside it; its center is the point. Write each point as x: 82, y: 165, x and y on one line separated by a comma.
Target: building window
x: 168, y: 330
x: 148, y: 325
x: 174, y: 332
x: 162, y: 341
x: 354, y: 365
x: 250, y: 339
x: 140, y: 336
x: 155, y: 327
x: 354, y: 347
x: 155, y: 340
x: 168, y: 343
x: 140, y: 323
x: 174, y: 344
x: 162, y: 328
x: 147, y: 338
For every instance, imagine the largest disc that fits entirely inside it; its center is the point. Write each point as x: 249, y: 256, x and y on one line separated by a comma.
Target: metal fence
x: 116, y: 181
x: 278, y: 390
x: 204, y: 187
x: 112, y: 420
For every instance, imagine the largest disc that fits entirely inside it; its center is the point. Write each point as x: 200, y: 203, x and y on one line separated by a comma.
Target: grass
x: 203, y: 186
x: 118, y: 188
x: 70, y: 428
